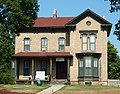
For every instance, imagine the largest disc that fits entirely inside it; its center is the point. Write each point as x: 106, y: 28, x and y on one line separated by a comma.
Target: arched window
x: 44, y: 44
x: 84, y: 42
x: 92, y: 41
x: 61, y: 44
x: 88, y: 40
x: 26, y: 44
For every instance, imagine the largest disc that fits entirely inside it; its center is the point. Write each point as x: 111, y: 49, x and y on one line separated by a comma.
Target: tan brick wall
x: 101, y: 47
x: 75, y: 46
x: 35, y: 44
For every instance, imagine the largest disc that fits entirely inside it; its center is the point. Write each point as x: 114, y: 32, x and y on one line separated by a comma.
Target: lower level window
x: 44, y: 66
x: 88, y: 66
x: 26, y: 68
x: 95, y: 65
x: 81, y: 67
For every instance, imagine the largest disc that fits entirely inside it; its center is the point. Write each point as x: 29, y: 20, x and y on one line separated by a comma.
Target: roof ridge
x: 57, y: 17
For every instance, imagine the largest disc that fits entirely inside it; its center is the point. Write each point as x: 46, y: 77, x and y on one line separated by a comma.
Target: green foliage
x: 15, y: 15
x: 6, y: 78
x: 6, y: 50
x: 113, y: 62
x: 117, y: 30
x: 115, y: 7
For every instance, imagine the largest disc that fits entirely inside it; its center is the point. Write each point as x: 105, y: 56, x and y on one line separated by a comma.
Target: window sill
x: 26, y: 50
x: 88, y: 76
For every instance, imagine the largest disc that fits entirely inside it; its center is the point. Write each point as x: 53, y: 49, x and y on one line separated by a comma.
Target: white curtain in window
x: 95, y: 62
x: 84, y: 38
x: 44, y: 42
x: 95, y: 67
x: 88, y: 61
x: 27, y: 41
x: 61, y: 40
x: 92, y: 38
x: 81, y: 63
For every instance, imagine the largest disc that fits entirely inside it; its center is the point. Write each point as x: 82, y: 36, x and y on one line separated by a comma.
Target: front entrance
x: 61, y: 70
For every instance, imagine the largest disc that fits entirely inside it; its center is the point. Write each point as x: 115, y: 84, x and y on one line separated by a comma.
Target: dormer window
x: 26, y: 44
x: 44, y: 44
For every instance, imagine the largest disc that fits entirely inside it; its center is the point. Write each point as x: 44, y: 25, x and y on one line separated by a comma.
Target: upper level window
x: 61, y: 44
x: 84, y: 42
x: 92, y: 41
x: 26, y: 44
x: 44, y: 44
x: 88, y: 40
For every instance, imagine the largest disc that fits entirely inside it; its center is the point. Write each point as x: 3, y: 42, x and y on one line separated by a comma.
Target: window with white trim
x: 95, y: 65
x: 88, y: 40
x: 92, y: 41
x: 44, y: 42
x: 81, y: 67
x: 84, y: 42
x: 87, y: 66
x: 26, y: 44
x: 61, y: 44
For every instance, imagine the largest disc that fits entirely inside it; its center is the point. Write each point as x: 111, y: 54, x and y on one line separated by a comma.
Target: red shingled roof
x: 52, y: 22
x: 42, y: 54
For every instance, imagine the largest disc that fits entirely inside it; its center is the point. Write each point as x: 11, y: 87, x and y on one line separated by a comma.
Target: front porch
x: 55, y: 64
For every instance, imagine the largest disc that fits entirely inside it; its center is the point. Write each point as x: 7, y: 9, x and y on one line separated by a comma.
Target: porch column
x: 15, y: 69
x: 51, y: 69
x: 32, y: 82
x: 68, y: 70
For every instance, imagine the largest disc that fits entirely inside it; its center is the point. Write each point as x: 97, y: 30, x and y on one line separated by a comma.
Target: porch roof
x: 42, y: 54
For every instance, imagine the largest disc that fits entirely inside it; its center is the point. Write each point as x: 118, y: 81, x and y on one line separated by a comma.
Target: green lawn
x: 87, y: 87
x: 24, y: 88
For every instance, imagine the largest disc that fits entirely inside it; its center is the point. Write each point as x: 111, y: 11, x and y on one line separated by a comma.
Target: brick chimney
x: 54, y: 13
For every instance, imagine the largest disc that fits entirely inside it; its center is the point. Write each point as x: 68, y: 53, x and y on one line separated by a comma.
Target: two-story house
x: 69, y: 48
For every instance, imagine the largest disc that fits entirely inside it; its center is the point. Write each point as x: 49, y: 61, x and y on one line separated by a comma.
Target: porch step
x: 59, y: 81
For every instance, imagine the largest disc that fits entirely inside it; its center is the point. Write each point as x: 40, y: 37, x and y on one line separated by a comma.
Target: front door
x: 61, y: 70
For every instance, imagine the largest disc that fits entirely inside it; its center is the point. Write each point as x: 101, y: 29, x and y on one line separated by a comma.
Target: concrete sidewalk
x: 51, y: 89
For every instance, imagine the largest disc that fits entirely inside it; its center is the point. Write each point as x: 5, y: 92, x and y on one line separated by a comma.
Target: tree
x: 115, y: 7
x: 113, y: 62
x: 14, y: 16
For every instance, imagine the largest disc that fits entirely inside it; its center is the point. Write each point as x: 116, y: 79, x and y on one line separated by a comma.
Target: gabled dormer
x: 105, y: 25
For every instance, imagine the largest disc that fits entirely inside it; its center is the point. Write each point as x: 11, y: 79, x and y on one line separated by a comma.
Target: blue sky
x: 72, y: 8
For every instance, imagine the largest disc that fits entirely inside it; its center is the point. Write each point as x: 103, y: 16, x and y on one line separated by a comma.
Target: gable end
x: 105, y: 25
